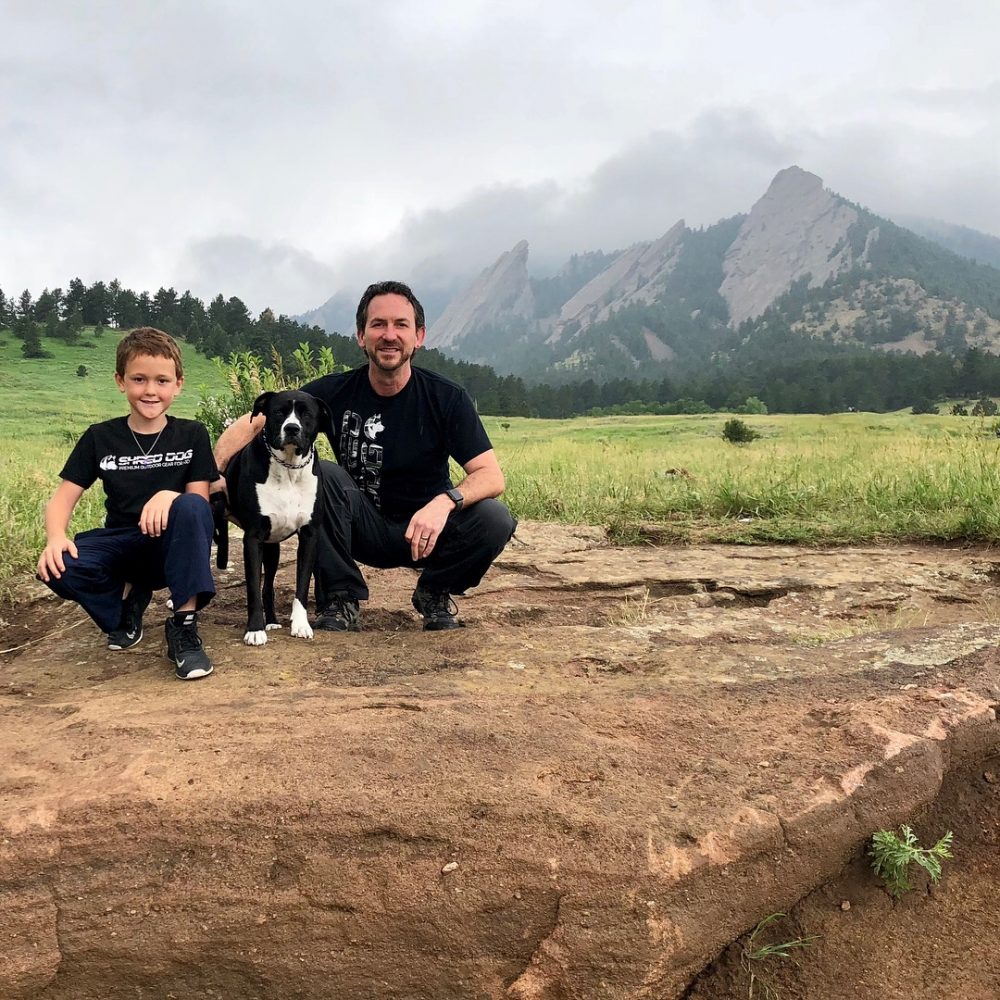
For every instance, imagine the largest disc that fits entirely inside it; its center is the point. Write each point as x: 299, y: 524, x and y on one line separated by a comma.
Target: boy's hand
x: 50, y: 562
x: 153, y: 519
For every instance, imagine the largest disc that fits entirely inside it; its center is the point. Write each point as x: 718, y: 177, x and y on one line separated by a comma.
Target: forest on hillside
x: 782, y: 374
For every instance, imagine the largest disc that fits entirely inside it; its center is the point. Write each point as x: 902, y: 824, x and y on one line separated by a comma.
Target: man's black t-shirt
x: 107, y: 451
x: 396, y: 448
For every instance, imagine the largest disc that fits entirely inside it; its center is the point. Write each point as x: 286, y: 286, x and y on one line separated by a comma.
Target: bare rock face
x: 796, y: 228
x: 500, y: 293
x: 636, y: 275
x: 625, y: 760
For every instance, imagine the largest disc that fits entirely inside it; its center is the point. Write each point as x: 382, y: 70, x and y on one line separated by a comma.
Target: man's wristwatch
x: 456, y: 497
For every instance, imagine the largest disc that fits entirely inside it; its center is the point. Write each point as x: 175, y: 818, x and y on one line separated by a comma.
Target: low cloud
x: 257, y: 272
x: 717, y: 167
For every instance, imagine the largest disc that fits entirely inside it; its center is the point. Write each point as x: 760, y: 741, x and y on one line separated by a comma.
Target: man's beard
x: 401, y: 358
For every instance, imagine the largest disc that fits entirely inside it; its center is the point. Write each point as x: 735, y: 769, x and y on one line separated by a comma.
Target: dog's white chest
x: 288, y: 498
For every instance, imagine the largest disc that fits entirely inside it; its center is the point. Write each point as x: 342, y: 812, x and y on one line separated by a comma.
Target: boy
x: 156, y: 472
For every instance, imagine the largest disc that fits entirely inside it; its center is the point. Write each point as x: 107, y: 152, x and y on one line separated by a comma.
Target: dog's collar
x: 288, y: 465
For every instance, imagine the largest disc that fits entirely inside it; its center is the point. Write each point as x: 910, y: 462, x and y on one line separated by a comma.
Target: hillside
x: 805, y: 266
x: 37, y: 393
x: 966, y: 242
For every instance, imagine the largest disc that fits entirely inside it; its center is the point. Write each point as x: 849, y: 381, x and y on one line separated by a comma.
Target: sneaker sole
x: 117, y: 648
x: 194, y: 675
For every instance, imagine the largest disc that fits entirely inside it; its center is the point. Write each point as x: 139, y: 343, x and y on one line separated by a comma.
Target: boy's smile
x: 150, y: 385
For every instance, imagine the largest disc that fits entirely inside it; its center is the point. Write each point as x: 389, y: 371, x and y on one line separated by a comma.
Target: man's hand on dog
x: 154, y: 516
x: 426, y: 526
x: 51, y: 561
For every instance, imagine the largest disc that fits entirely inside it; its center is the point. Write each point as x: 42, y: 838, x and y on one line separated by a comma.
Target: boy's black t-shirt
x: 108, y: 451
x: 396, y: 448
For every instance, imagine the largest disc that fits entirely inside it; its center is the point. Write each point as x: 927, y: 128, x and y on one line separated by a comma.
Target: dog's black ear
x: 260, y: 403
x: 325, y: 419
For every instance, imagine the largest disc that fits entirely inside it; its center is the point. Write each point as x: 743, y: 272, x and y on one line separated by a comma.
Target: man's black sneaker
x: 185, y: 648
x: 438, y: 609
x: 340, y: 615
x: 129, y: 631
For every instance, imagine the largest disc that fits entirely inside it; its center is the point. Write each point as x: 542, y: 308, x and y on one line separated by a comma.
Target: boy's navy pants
x: 179, y: 559
x: 353, y: 529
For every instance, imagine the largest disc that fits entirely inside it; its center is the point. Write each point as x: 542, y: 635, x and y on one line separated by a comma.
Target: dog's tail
x: 221, y: 533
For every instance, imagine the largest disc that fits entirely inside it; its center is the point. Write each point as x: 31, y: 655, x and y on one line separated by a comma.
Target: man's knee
x: 495, y: 524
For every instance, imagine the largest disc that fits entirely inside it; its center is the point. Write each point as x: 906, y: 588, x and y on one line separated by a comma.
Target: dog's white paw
x: 301, y: 628
x: 255, y: 638
x: 271, y: 625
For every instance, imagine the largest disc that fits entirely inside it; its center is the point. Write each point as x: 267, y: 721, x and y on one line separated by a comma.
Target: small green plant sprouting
x: 754, y: 954
x: 891, y: 858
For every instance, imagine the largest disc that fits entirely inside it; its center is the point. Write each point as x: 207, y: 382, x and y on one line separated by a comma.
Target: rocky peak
x: 501, y: 292
x: 636, y: 275
x: 796, y: 228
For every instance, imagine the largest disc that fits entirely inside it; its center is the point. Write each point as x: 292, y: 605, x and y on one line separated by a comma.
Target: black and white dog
x: 273, y: 492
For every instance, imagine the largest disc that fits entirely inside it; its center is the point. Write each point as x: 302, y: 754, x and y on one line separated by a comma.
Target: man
x: 390, y: 501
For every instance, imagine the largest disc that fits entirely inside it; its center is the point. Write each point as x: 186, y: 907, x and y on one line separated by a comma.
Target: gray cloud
x: 253, y: 271
x: 291, y: 152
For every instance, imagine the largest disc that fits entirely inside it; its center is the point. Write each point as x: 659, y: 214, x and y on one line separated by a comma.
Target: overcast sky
x: 283, y: 152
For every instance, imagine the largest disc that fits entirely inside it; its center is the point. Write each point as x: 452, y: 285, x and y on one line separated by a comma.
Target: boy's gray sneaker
x: 185, y: 648
x: 129, y: 631
x: 437, y: 608
x: 340, y: 615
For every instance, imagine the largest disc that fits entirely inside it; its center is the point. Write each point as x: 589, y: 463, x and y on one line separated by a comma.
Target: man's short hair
x: 147, y: 340
x: 388, y: 288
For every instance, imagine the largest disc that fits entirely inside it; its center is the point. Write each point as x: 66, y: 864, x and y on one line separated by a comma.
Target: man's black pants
x: 355, y: 531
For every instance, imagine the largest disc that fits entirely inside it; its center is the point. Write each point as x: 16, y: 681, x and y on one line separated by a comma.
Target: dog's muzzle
x: 291, y: 434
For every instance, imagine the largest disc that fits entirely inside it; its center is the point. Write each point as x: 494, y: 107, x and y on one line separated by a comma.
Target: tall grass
x: 809, y: 478
x: 857, y: 477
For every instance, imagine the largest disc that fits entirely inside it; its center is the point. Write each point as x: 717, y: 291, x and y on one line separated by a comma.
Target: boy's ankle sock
x: 185, y: 617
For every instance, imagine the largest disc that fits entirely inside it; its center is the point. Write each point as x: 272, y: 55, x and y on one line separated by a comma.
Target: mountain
x: 966, y: 242
x: 804, y: 273
x: 502, y: 292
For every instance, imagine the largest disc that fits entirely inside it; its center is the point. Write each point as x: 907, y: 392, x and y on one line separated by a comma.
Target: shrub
x: 736, y: 431
x: 984, y: 407
x: 82, y: 371
x: 248, y: 376
x: 753, y: 405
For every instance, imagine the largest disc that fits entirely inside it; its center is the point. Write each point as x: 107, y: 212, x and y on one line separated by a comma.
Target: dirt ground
x: 627, y: 759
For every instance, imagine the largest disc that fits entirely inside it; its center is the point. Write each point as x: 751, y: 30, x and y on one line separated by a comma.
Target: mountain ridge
x: 804, y: 267
x: 802, y: 255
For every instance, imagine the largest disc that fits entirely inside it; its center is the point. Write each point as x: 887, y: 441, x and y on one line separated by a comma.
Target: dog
x: 273, y: 492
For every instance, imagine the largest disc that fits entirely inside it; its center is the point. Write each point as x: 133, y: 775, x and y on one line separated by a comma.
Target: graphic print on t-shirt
x: 363, y: 458
x: 162, y: 460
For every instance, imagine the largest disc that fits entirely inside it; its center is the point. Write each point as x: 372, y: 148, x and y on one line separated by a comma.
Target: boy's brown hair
x: 147, y: 340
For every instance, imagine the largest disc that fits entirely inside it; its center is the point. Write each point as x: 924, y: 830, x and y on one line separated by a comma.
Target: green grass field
x: 856, y: 477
